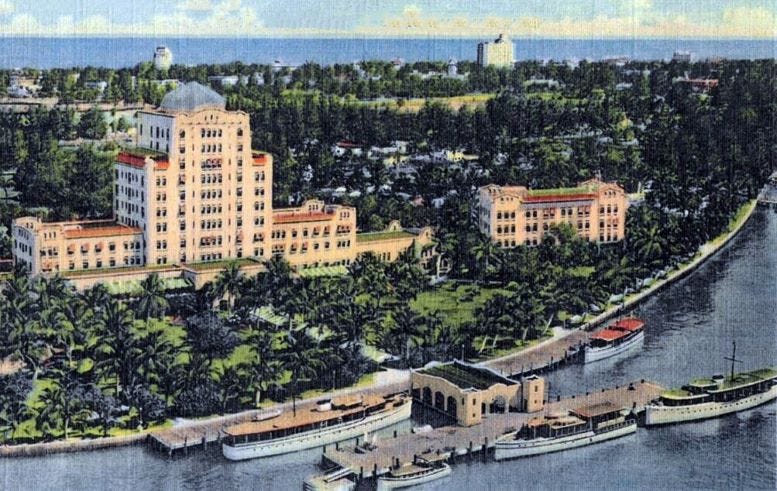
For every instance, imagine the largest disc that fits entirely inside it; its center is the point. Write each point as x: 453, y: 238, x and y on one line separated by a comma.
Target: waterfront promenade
x: 549, y: 353
x: 537, y: 358
x: 452, y: 441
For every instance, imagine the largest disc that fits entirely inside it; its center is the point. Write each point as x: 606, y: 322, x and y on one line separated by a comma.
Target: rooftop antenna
x: 733, y: 359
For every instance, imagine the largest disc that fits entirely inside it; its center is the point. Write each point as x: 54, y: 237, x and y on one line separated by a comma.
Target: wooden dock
x: 454, y: 441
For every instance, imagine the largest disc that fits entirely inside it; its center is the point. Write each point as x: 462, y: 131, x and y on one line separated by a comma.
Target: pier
x: 456, y: 442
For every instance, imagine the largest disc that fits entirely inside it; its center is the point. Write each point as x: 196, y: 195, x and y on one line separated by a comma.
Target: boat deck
x: 456, y: 440
x: 200, y: 433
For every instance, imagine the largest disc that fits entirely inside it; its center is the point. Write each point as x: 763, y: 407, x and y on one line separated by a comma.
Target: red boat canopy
x: 629, y: 324
x: 608, y: 335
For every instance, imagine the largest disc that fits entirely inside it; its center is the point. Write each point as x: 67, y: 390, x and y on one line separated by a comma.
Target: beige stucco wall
x: 469, y: 403
x: 504, y: 215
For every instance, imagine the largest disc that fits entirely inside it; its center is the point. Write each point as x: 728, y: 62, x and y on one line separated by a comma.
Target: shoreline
x: 705, y: 252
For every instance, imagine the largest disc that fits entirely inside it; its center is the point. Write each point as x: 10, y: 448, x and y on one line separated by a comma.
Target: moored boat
x: 615, y: 339
x: 329, y: 422
x: 713, y: 397
x: 576, y: 428
x: 419, y: 472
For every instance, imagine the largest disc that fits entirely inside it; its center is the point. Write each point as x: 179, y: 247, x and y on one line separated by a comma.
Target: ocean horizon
x: 119, y: 52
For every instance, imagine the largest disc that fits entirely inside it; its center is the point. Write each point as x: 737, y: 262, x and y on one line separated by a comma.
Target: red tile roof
x: 608, y: 335
x: 102, y: 231
x: 139, y: 161
x: 301, y: 217
x: 629, y: 324
x: 260, y: 158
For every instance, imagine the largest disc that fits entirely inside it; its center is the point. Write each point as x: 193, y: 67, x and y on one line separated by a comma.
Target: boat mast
x: 733, y: 359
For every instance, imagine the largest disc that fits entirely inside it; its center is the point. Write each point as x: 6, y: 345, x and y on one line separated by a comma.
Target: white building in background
x: 496, y: 53
x: 163, y: 58
x: 683, y: 57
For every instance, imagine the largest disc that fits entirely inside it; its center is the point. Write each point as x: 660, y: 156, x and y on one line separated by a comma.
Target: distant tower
x: 163, y: 58
x: 453, y: 69
x: 498, y: 52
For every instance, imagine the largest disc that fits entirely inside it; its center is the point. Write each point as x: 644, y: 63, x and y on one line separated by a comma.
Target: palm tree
x: 303, y: 359
x: 152, y: 301
x: 62, y: 403
x: 119, y: 346
x: 229, y: 282
x: 264, y: 364
x: 486, y: 254
x: 407, y: 325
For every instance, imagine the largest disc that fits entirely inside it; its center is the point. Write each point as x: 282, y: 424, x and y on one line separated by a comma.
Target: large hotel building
x: 515, y: 215
x: 193, y: 191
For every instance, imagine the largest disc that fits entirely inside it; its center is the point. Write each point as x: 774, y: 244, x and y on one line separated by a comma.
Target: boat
x: 421, y: 471
x: 713, y: 397
x: 563, y: 431
x: 330, y: 421
x: 615, y: 339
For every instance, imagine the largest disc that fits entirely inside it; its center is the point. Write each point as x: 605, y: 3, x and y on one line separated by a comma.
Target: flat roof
x: 91, y: 230
x: 305, y: 416
x: 630, y: 324
x: 467, y: 376
x: 598, y: 409
x: 301, y: 217
x: 608, y: 335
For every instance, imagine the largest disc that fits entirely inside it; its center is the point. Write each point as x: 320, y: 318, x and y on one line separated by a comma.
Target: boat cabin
x: 326, y: 413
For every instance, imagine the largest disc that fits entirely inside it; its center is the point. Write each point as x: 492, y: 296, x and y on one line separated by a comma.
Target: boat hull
x: 661, y: 415
x: 523, y: 448
x: 596, y: 354
x: 385, y: 483
x: 318, y: 438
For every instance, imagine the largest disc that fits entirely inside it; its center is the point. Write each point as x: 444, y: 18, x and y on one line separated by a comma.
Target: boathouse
x: 468, y: 392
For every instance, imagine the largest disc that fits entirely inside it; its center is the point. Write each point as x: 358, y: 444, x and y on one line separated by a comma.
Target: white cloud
x: 195, y: 5
x: 234, y: 18
x: 6, y: 7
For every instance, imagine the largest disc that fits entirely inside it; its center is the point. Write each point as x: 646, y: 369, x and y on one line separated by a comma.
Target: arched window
x: 182, y: 134
x: 240, y: 132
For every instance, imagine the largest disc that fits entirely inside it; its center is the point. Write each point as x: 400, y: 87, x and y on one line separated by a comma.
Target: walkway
x: 457, y: 440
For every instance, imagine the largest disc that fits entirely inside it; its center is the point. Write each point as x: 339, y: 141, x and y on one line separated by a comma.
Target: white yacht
x: 419, y: 472
x: 713, y: 397
x: 615, y: 339
x: 553, y: 433
x: 329, y: 422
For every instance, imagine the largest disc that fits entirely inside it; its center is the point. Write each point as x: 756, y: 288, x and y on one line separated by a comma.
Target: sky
x: 687, y: 19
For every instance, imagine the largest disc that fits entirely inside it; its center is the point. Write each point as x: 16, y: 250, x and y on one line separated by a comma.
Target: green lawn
x: 450, y: 304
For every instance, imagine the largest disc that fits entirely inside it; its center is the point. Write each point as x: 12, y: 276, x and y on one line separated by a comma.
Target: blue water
x: 124, y: 52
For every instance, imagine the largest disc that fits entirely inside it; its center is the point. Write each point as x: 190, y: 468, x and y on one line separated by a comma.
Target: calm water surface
x: 33, y: 52
x: 689, y: 329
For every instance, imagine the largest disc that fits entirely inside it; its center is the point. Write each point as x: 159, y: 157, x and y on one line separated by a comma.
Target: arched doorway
x: 498, y: 405
x: 451, y: 406
x: 427, y: 396
x: 439, y: 401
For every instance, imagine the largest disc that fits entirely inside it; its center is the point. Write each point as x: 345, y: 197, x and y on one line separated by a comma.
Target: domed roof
x: 190, y: 97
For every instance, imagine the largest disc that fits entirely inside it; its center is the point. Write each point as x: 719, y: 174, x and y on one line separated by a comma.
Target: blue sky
x: 413, y: 18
